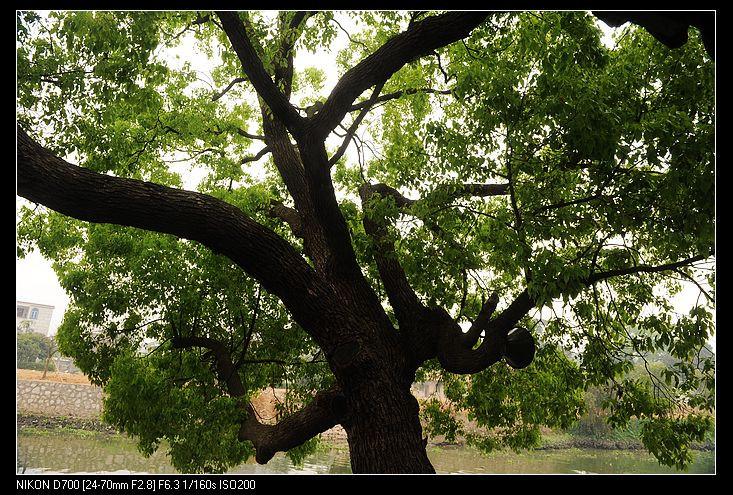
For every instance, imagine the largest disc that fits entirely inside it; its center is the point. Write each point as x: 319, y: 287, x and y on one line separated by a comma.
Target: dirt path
x: 52, y: 376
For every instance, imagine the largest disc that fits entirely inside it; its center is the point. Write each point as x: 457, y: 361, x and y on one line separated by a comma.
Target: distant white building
x: 33, y: 317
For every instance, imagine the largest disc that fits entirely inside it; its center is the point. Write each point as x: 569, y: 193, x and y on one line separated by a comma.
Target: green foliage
x: 440, y: 421
x: 594, y: 422
x: 669, y: 438
x: 609, y: 150
x: 157, y: 398
x: 507, y: 407
x: 298, y: 454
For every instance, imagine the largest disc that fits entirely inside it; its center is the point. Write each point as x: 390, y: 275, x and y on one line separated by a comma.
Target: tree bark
x: 385, y: 434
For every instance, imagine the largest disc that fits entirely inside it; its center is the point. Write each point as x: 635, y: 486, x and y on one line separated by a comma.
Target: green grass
x: 63, y: 430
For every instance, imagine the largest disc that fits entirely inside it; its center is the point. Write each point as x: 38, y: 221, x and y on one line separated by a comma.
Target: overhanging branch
x: 324, y: 412
x: 593, y: 278
x: 86, y: 195
x: 419, y: 39
x: 455, y: 352
x: 256, y: 157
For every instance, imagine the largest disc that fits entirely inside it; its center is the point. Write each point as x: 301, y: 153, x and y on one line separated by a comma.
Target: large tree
x: 495, y: 200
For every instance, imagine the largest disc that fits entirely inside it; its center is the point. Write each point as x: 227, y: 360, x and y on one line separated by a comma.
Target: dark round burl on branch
x: 519, y: 348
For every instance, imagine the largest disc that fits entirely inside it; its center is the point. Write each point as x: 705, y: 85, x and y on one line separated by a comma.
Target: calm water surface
x: 71, y: 453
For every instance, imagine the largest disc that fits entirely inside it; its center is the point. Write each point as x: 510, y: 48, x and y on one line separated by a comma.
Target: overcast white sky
x: 36, y: 282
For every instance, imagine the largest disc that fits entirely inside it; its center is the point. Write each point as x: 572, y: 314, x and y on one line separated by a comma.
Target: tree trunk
x: 384, y: 431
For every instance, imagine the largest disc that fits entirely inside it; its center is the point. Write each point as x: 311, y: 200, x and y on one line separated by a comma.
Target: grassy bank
x: 629, y: 439
x: 626, y: 439
x: 31, y: 423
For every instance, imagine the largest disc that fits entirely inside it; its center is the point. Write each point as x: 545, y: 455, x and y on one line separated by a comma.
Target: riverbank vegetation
x: 593, y: 428
x: 65, y: 451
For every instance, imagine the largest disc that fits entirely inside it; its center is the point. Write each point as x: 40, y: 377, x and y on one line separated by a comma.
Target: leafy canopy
x: 609, y: 153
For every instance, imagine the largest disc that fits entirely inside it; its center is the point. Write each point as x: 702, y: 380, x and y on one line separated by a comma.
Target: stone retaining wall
x: 58, y: 399
x: 50, y: 398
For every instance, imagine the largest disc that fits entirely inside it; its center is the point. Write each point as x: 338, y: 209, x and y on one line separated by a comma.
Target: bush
x: 31, y: 346
x: 32, y: 351
x: 593, y: 423
x: 37, y: 365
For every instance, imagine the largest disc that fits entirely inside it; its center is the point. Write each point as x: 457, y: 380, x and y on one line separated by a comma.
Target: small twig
x: 250, y: 331
x: 259, y: 155
x: 350, y: 133
x: 230, y: 86
x: 157, y: 347
x: 348, y: 35
x: 250, y: 136
x: 691, y: 279
x: 446, y: 78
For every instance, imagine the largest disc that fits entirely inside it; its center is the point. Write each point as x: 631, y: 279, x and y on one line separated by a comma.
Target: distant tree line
x: 34, y: 351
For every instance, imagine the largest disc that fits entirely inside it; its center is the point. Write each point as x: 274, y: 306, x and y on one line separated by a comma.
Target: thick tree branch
x: 287, y: 158
x: 482, y: 320
x: 256, y: 73
x: 669, y: 28
x: 339, y: 260
x: 455, y: 352
x: 402, y: 297
x: 90, y: 196
x: 288, y: 215
x: 324, y: 412
x: 456, y: 356
x: 246, y: 134
x: 289, y: 35
x: 385, y: 191
x: 420, y: 39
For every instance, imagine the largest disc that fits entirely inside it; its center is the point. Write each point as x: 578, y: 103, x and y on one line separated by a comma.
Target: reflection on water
x: 70, y: 453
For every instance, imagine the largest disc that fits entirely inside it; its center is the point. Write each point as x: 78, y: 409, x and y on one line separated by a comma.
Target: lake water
x: 96, y: 453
